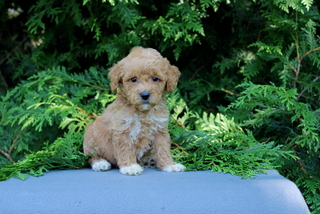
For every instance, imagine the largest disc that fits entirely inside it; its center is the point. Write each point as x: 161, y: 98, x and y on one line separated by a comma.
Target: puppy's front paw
x: 101, y: 165
x: 134, y: 169
x: 174, y: 168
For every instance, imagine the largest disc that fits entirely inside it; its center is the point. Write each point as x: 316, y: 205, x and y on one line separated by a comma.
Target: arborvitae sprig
x: 55, y: 100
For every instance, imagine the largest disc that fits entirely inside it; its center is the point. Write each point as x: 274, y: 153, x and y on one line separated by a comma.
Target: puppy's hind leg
x: 96, y: 162
x: 99, y: 164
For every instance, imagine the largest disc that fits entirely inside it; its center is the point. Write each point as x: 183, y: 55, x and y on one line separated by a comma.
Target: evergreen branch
x: 227, y: 91
x: 180, y: 147
x: 98, y: 87
x: 297, y: 71
x: 7, y: 56
x: 6, y: 155
x: 298, y: 160
x: 88, y: 84
x: 179, y: 124
x: 94, y: 116
x: 294, y: 69
x: 267, y: 141
x: 309, y: 52
x: 15, y: 140
x: 304, y: 90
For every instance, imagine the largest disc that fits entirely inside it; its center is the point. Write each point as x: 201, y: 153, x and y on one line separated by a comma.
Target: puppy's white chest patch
x: 146, y: 126
x: 134, y: 126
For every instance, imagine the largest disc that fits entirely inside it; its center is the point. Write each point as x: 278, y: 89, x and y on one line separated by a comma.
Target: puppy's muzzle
x: 145, y: 96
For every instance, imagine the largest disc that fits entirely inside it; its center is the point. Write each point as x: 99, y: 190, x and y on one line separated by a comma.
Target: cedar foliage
x: 248, y: 98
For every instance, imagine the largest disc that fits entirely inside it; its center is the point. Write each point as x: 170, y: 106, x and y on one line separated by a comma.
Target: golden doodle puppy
x: 135, y: 126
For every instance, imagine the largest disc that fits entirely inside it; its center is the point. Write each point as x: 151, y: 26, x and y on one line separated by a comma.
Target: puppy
x: 135, y: 126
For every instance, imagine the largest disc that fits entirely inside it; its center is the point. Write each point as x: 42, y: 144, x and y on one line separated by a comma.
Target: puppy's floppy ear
x: 173, y: 75
x: 114, y: 76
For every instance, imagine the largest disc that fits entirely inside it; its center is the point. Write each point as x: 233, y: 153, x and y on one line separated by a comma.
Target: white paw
x: 134, y: 169
x: 174, y: 168
x: 102, y: 165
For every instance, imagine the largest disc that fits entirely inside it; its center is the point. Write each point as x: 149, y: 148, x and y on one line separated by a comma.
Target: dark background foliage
x: 250, y: 81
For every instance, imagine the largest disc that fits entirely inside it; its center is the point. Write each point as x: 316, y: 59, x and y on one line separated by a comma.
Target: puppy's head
x: 143, y: 77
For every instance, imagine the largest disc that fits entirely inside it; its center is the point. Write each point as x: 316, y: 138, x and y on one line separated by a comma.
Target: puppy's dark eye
x: 155, y: 79
x: 133, y: 79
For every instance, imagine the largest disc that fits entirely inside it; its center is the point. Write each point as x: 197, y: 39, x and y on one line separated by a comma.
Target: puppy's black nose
x: 145, y: 95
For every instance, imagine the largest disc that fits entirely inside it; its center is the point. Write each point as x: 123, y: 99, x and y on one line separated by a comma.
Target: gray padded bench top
x: 85, y: 191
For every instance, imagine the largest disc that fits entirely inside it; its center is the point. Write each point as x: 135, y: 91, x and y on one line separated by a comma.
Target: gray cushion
x: 85, y: 191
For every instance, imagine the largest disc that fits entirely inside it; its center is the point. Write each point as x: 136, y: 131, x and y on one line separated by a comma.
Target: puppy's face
x: 143, y: 84
x: 143, y: 77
